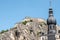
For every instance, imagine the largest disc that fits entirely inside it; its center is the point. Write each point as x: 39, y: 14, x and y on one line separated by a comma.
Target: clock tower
x: 51, y: 21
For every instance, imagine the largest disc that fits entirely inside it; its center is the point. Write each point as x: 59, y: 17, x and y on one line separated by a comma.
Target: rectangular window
x: 59, y: 36
x: 58, y: 31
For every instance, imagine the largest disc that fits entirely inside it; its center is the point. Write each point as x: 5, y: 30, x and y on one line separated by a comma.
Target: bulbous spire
x: 51, y: 19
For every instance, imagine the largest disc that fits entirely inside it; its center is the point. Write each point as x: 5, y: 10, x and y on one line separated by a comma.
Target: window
x: 58, y: 31
x: 50, y: 27
x: 59, y: 36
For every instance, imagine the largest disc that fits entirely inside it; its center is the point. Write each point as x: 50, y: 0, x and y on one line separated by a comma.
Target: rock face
x: 28, y: 29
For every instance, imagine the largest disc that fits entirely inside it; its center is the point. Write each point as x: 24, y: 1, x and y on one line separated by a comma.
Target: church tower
x: 51, y: 21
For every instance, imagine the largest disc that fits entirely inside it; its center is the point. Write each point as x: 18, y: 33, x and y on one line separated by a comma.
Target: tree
x: 24, y: 22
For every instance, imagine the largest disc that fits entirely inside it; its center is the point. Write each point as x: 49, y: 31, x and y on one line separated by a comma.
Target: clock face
x: 52, y: 31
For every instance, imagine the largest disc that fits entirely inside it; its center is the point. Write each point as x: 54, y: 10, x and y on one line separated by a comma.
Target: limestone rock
x: 31, y: 30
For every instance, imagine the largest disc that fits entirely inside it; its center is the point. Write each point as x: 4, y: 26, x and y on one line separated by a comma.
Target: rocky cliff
x: 27, y: 29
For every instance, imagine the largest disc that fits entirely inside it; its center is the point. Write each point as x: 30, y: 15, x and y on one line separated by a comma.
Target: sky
x: 13, y: 11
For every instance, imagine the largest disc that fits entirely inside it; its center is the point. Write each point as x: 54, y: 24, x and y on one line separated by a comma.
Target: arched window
x: 51, y: 27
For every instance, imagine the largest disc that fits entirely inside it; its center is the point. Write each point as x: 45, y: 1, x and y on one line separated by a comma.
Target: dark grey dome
x: 51, y: 20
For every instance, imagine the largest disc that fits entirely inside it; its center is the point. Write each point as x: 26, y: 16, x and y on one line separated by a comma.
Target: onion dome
x: 51, y: 19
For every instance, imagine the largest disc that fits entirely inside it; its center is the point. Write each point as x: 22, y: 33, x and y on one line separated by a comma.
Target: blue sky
x: 13, y: 11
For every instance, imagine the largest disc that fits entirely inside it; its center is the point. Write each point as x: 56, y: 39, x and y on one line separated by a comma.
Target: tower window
x: 58, y: 31
x: 50, y: 27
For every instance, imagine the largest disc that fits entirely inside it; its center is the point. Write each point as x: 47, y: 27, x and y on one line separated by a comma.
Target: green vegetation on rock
x: 24, y: 22
x: 3, y: 31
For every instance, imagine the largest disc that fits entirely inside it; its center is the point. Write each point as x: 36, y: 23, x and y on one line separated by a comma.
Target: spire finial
x: 50, y: 3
